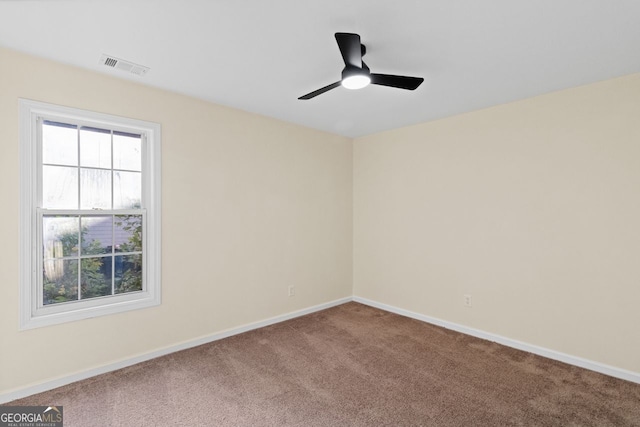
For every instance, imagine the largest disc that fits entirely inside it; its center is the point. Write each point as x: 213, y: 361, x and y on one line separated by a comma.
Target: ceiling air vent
x: 121, y: 64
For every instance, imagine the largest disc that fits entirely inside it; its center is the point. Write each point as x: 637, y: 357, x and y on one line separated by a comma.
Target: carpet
x: 351, y: 365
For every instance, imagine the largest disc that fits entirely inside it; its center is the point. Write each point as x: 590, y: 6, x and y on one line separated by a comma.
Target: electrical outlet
x: 467, y: 300
x: 292, y: 291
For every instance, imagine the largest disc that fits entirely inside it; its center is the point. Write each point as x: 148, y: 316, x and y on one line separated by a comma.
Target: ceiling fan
x: 356, y: 74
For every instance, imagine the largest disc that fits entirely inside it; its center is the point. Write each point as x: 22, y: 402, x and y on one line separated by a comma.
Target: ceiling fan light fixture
x: 356, y: 81
x: 356, y: 74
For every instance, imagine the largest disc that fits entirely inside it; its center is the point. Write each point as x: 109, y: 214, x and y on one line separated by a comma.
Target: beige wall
x: 532, y: 207
x: 251, y: 205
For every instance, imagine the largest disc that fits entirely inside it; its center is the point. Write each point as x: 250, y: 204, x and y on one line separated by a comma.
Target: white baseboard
x: 540, y: 351
x: 68, y: 379
x: 551, y: 354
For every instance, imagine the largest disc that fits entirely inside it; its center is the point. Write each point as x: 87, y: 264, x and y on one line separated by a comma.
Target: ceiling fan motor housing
x: 355, y: 71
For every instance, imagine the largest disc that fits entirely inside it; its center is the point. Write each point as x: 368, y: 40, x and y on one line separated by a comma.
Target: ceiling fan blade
x: 350, y: 48
x: 401, y: 82
x: 320, y: 91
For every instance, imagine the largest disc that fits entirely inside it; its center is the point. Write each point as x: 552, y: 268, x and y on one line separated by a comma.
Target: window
x: 90, y: 214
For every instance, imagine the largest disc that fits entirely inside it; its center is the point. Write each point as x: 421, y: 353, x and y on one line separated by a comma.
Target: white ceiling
x: 261, y: 55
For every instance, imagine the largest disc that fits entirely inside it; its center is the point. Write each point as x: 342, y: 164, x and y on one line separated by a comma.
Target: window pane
x: 59, y: 143
x: 95, y: 189
x: 97, y: 235
x: 59, y: 187
x: 60, y: 236
x: 128, y: 233
x: 95, y: 277
x: 128, y: 272
x: 127, y: 151
x: 95, y: 148
x: 60, y: 281
x: 127, y: 190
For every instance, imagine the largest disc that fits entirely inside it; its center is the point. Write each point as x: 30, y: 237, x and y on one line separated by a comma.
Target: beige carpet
x: 351, y: 365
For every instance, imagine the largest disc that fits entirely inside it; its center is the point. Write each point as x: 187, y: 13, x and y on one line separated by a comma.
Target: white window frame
x: 32, y: 312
